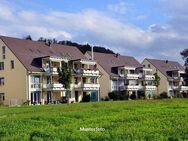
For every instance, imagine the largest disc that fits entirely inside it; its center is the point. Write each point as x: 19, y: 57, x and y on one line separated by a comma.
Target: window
x: 35, y: 79
x: 12, y: 64
x: 35, y: 82
x: 148, y: 65
x: 4, y: 56
x: 144, y: 66
x: 1, y: 66
x: 4, y: 52
x: 2, y: 81
x: 48, y: 80
x: 2, y: 97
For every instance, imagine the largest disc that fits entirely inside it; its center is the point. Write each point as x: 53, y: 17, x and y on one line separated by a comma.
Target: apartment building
x: 123, y: 73
x: 171, y: 76
x: 29, y: 73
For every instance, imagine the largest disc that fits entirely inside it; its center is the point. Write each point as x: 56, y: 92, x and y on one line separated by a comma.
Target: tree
x: 86, y: 47
x: 157, y: 82
x: 28, y: 37
x: 65, y: 76
x: 184, y: 55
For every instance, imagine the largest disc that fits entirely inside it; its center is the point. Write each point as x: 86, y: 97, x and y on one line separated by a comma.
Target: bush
x: 185, y: 95
x: 106, y: 98
x: 86, y: 98
x: 124, y: 95
x: 114, y: 95
x: 117, y: 95
x: 133, y: 96
x: 163, y: 95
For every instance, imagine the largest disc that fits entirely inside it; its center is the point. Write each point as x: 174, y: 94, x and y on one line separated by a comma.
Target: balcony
x: 174, y: 87
x: 177, y: 78
x: 54, y: 71
x: 51, y: 71
x: 131, y: 76
x: 35, y: 87
x: 86, y: 72
x: 150, y: 88
x: 183, y: 88
x: 78, y: 85
x: 133, y: 87
x: 148, y: 77
x: 54, y: 87
x: 90, y: 87
x: 90, y: 72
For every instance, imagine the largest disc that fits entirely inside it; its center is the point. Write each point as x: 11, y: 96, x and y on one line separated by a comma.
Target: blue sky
x: 140, y: 28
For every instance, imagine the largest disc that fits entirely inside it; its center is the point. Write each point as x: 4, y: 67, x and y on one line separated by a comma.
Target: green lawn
x: 122, y: 120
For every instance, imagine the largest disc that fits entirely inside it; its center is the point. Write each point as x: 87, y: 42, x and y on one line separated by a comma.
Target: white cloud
x: 6, y: 12
x: 120, y: 7
x: 95, y: 27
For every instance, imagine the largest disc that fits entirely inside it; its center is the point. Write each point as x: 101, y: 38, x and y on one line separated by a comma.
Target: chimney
x: 48, y: 43
x: 116, y: 55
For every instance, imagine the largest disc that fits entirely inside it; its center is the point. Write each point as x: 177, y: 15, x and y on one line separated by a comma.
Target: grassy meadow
x: 153, y: 120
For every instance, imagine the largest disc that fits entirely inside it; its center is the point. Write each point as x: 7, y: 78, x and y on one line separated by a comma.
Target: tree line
x: 82, y: 47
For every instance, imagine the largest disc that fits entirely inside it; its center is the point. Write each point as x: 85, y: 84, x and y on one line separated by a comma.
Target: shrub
x: 114, y: 95
x: 26, y: 102
x: 118, y: 95
x: 86, y: 98
x: 124, y: 95
x: 133, y: 96
x: 141, y: 95
x: 106, y: 98
x: 185, y: 95
x: 163, y: 95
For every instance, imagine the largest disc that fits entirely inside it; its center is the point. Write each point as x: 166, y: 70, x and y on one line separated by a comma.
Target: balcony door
x: 49, y: 97
x: 76, y: 96
x: 36, y: 97
x: 94, y: 96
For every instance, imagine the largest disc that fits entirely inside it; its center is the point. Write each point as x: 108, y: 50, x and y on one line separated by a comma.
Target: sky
x: 140, y: 28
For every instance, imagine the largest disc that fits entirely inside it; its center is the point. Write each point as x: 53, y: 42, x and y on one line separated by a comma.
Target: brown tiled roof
x: 109, y: 61
x: 28, y: 51
x: 165, y: 66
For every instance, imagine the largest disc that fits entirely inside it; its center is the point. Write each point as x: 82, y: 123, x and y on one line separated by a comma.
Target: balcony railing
x: 52, y: 70
x: 54, y: 86
x: 133, y: 87
x: 183, y: 88
x: 175, y: 87
x: 148, y: 77
x: 78, y: 85
x: 150, y: 88
x: 87, y: 72
x: 35, y: 87
x: 177, y: 78
x: 90, y: 86
x: 90, y: 72
x: 130, y: 76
